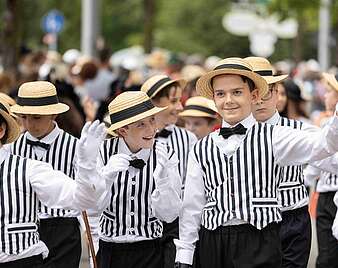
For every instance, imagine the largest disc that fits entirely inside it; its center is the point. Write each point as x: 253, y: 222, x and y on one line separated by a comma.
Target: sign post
x: 52, y: 24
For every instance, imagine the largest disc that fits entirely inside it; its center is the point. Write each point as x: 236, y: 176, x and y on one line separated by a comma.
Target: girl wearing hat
x: 199, y: 115
x: 25, y: 182
x: 144, y: 186
x: 166, y: 92
x: 38, y: 106
x: 231, y: 189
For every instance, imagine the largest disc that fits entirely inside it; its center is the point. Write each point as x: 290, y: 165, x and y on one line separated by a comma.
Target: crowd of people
x: 198, y: 162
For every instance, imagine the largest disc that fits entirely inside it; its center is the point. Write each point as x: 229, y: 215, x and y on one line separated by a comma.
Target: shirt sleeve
x: 55, y: 189
x: 311, y: 174
x: 297, y: 147
x: 191, y: 212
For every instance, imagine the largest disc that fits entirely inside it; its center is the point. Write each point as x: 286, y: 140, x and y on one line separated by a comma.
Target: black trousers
x: 63, y: 239
x: 31, y: 262
x: 170, y: 232
x: 239, y: 246
x: 295, y: 234
x: 327, y: 243
x: 143, y: 254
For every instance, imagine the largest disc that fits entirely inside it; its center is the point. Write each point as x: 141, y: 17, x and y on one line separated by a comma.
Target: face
x: 331, y: 98
x: 233, y: 98
x: 139, y: 135
x: 282, y: 98
x: 3, y: 128
x: 200, y: 126
x: 38, y: 126
x: 265, y: 107
x: 170, y: 115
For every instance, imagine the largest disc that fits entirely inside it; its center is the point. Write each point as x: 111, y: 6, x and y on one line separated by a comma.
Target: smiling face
x: 265, y: 107
x: 173, y: 102
x: 139, y: 135
x: 232, y: 97
x: 38, y: 126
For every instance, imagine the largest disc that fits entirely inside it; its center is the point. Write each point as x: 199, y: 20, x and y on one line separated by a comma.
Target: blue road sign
x: 52, y: 22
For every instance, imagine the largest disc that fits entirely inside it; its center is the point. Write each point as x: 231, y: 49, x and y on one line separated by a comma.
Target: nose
x: 179, y: 106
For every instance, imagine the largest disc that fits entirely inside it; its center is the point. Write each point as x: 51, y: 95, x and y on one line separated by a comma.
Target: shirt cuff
x: 184, y: 256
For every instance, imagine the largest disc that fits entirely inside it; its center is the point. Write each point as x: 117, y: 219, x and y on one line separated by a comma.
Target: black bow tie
x: 226, y: 132
x: 39, y: 144
x: 164, y: 133
x: 137, y: 163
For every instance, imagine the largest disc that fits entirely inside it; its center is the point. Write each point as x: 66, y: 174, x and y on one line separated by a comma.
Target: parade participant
x: 231, y: 187
x: 38, y: 106
x: 293, y: 197
x: 25, y: 182
x: 200, y: 116
x: 145, y: 186
x: 166, y: 92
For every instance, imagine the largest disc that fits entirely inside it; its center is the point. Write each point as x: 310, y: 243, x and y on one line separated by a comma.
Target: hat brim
x: 182, y: 83
x: 204, y: 87
x: 51, y: 109
x: 275, y: 79
x: 195, y: 113
x: 13, y: 128
x: 133, y: 119
x: 331, y: 80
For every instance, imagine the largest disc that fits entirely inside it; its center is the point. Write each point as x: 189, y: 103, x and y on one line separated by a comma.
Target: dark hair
x: 88, y: 71
x: 164, y: 92
x: 4, y: 138
x: 245, y: 79
x: 104, y: 54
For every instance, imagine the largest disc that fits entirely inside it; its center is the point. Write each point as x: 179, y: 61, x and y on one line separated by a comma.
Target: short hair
x: 164, y: 92
x: 245, y: 79
x: 4, y: 138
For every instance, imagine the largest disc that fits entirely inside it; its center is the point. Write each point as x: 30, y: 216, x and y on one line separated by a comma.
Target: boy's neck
x: 47, y: 133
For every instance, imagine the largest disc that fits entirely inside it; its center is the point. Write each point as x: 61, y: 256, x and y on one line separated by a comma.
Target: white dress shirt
x: 290, y: 147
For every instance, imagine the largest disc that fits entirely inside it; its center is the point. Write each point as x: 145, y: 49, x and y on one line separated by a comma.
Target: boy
x: 199, y: 115
x: 145, y: 186
x: 166, y: 92
x: 23, y: 184
x: 38, y: 106
x: 231, y: 188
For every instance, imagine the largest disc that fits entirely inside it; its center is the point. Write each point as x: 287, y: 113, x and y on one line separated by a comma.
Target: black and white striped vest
x: 60, y: 155
x: 291, y: 188
x: 243, y: 185
x: 18, y: 207
x: 129, y: 211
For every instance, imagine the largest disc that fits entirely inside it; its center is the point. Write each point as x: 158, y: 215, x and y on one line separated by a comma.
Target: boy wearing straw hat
x: 38, y: 106
x: 230, y: 203
x: 166, y: 92
x: 199, y: 115
x: 23, y: 184
x: 144, y: 186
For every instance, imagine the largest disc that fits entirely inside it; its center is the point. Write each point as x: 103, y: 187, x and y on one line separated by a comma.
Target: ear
x: 255, y: 95
x: 122, y: 132
x: 3, y: 128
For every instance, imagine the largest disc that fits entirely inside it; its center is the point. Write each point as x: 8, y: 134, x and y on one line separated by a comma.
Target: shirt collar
x: 247, y: 122
x: 50, y: 138
x: 3, y: 154
x: 141, y: 154
x: 273, y: 120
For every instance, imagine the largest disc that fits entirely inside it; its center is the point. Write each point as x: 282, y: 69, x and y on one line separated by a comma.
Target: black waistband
x: 130, y: 246
x: 296, y: 211
x: 27, y: 262
x: 241, y: 228
x: 59, y: 220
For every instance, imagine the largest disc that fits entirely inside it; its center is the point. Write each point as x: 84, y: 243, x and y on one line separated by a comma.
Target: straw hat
x: 264, y: 68
x: 130, y: 107
x: 235, y: 66
x: 331, y: 80
x: 191, y: 72
x: 38, y: 97
x: 199, y: 107
x: 4, y: 97
x: 13, y: 129
x: 157, y: 82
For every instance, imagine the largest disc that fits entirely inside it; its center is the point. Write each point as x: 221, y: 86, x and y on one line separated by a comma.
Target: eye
x: 219, y: 94
x: 237, y: 92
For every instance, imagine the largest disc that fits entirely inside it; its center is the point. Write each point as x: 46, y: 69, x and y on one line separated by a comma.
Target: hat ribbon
x: 232, y: 66
x: 200, y: 108
x: 157, y: 85
x: 264, y: 73
x: 41, y: 101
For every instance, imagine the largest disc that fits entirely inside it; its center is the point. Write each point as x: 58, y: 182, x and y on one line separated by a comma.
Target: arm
x: 329, y: 164
x: 310, y: 175
x: 335, y: 222
x: 191, y: 212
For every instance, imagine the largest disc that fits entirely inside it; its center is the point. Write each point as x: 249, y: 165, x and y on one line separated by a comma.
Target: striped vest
x: 18, y: 207
x: 60, y: 155
x: 242, y: 185
x: 129, y: 211
x: 291, y: 188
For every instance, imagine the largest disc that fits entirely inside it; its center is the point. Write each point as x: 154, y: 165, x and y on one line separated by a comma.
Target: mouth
x: 230, y: 109
x: 261, y: 110
x: 149, y: 138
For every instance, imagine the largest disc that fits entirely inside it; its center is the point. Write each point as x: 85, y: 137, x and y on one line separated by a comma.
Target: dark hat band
x: 157, y: 85
x: 3, y: 107
x: 200, y: 108
x: 37, y: 101
x: 264, y: 73
x: 131, y: 112
x: 232, y: 66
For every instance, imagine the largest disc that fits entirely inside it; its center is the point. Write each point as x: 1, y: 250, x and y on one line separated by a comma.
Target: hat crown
x: 5, y: 105
x: 126, y: 100
x: 259, y: 64
x: 149, y: 83
x: 233, y: 61
x: 37, y: 89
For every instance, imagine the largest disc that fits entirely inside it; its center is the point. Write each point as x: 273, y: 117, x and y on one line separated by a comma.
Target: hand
x: 335, y: 228
x: 116, y: 163
x: 182, y: 265
x: 92, y: 136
